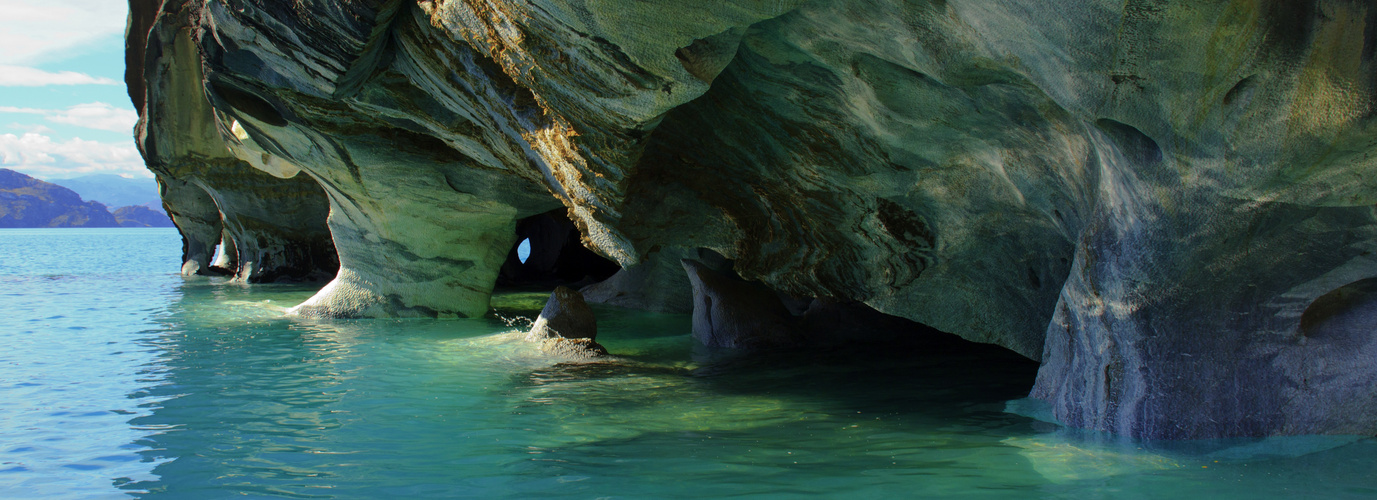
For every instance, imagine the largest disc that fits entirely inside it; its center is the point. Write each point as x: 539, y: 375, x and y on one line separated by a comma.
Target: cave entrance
x: 549, y: 253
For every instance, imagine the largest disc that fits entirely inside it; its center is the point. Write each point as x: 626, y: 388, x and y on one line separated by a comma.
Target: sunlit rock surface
x: 1168, y: 203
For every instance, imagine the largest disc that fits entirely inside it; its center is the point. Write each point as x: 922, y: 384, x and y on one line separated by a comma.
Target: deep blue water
x: 120, y: 378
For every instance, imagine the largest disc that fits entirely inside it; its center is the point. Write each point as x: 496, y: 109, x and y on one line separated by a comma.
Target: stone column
x: 410, y: 241
x: 404, y: 259
x: 1192, y: 316
x: 197, y: 219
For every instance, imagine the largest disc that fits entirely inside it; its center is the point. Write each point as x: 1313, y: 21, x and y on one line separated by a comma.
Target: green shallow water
x: 119, y: 378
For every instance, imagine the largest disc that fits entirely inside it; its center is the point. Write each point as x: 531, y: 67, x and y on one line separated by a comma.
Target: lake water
x: 120, y: 378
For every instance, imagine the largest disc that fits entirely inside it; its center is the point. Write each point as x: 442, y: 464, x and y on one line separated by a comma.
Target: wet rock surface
x: 567, y: 328
x: 1165, y: 229
x: 574, y: 350
x: 565, y: 315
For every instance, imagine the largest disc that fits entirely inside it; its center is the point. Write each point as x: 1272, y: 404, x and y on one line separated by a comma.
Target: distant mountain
x: 115, y: 191
x: 141, y: 216
x: 29, y: 202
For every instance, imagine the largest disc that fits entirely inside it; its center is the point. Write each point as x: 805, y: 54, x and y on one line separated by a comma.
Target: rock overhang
x: 1146, y: 198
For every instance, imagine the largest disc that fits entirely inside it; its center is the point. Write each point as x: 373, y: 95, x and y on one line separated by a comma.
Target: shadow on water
x: 836, y: 421
x: 246, y: 402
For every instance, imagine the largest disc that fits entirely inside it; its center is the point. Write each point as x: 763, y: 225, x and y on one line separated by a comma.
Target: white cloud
x: 29, y: 127
x: 31, y: 111
x: 97, y: 115
x: 94, y: 115
x: 32, y: 29
x: 40, y: 156
x: 20, y: 76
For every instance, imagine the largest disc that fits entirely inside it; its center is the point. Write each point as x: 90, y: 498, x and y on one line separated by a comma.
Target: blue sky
x: 64, y: 111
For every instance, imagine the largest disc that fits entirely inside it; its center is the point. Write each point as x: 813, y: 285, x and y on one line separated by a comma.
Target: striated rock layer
x: 268, y: 226
x: 1169, y: 203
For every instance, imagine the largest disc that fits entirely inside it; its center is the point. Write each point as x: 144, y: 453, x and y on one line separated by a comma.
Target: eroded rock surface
x: 556, y: 255
x: 656, y: 283
x: 1159, y: 200
x: 276, y: 226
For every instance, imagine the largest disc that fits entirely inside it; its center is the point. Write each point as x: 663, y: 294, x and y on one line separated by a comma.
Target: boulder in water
x: 565, y: 315
x: 567, y: 328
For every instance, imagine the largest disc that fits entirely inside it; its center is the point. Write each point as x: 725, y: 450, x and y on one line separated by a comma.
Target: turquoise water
x: 119, y: 378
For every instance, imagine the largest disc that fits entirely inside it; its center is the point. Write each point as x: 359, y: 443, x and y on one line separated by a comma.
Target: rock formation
x: 739, y: 314
x: 731, y: 312
x: 565, y: 315
x: 567, y: 328
x: 657, y: 283
x: 274, y: 222
x: 556, y: 256
x: 1169, y: 203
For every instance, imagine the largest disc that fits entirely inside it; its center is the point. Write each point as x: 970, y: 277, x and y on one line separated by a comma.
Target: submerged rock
x: 574, y: 350
x: 1182, y: 237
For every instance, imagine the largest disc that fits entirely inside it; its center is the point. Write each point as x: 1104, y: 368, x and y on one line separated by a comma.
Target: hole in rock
x: 249, y: 104
x: 224, y: 259
x: 1135, y: 145
x: 549, y: 253
x: 1343, y: 313
x: 1241, y: 90
x: 832, y: 357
